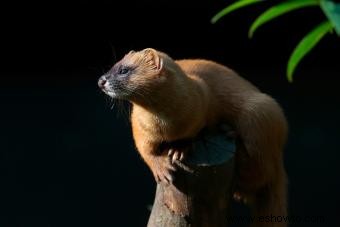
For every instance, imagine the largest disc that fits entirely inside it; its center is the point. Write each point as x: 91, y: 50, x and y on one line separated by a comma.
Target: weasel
x: 174, y: 100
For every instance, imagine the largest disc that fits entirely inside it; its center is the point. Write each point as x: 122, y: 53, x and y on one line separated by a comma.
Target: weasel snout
x: 102, y: 82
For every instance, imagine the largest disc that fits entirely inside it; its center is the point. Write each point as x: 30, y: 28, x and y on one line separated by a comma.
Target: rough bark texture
x: 201, y: 193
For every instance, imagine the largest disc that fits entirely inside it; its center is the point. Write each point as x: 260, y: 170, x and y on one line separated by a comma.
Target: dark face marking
x: 116, y: 80
x: 124, y: 70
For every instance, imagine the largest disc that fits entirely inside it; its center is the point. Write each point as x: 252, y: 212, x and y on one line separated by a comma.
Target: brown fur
x: 174, y: 100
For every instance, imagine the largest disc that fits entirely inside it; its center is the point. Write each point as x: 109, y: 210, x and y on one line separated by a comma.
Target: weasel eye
x: 123, y: 70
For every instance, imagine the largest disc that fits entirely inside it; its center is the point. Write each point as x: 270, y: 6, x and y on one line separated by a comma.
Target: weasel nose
x: 101, y: 82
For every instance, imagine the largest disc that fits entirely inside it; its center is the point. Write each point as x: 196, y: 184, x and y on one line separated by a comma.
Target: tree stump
x: 201, y: 192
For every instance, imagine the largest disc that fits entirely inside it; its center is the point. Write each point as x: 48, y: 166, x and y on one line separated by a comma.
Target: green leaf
x: 305, y: 45
x: 279, y: 10
x: 332, y: 11
x: 233, y: 7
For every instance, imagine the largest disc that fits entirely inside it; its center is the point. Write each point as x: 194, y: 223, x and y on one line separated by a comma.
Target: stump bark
x: 201, y: 192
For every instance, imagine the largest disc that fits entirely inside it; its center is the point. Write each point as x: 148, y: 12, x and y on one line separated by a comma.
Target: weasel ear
x: 152, y: 55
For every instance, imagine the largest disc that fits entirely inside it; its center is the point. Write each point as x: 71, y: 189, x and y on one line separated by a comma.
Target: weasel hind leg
x: 260, y: 173
x: 267, y: 198
x: 269, y: 203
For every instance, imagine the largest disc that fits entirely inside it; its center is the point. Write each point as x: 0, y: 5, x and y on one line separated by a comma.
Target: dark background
x: 67, y: 157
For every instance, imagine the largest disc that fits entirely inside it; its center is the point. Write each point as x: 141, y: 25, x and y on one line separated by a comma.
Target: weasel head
x: 136, y: 75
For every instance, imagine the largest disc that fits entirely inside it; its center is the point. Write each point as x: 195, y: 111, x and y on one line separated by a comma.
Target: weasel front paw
x: 163, y: 170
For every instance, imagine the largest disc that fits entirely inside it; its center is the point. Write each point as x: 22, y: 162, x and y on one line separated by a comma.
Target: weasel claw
x: 176, y: 155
